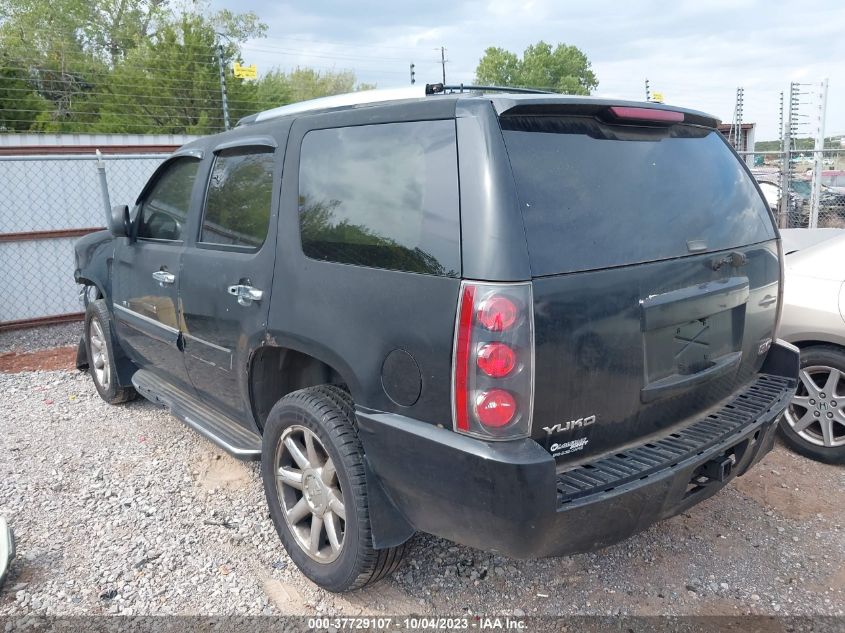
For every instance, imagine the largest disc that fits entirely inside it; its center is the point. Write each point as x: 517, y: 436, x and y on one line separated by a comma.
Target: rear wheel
x: 814, y: 422
x: 312, y: 465
x: 98, y: 346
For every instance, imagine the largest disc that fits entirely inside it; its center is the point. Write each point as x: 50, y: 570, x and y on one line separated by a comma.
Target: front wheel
x: 312, y: 465
x: 814, y: 422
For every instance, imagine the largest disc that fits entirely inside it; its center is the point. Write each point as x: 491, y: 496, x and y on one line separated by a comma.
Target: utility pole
x: 647, y: 91
x: 413, y: 80
x: 818, y: 157
x: 223, y: 87
x: 443, y: 62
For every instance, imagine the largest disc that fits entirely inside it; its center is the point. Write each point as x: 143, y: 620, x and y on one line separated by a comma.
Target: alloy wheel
x: 100, y: 354
x: 310, y: 494
x: 817, y: 412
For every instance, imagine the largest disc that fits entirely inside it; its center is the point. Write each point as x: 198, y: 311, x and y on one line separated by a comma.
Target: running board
x: 214, y: 426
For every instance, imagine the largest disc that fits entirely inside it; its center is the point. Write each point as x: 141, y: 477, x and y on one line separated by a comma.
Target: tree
x: 19, y: 105
x: 136, y: 66
x: 171, y: 83
x: 563, y: 69
x: 43, y: 43
x: 301, y: 84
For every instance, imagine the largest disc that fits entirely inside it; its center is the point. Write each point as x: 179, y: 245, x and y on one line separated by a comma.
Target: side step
x: 232, y: 437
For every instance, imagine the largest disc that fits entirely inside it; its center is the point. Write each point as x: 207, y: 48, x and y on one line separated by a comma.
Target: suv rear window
x: 383, y: 195
x: 595, y: 195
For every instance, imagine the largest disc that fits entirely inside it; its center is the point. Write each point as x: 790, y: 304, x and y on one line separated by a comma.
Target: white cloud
x: 696, y: 53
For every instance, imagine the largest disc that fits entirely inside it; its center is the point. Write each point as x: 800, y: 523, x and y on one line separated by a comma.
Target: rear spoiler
x: 611, y: 111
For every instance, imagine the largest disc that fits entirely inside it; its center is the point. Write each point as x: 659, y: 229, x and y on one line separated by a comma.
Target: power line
x: 302, y: 53
x: 345, y: 44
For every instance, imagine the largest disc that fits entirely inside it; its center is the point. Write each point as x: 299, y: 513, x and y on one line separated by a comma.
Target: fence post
x: 223, y: 87
x: 786, y: 148
x: 818, y: 159
x: 104, y: 187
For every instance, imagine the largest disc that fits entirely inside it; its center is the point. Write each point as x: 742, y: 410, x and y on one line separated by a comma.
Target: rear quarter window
x: 595, y: 195
x: 384, y: 196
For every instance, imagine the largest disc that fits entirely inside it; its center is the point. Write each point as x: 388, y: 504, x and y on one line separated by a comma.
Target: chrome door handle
x: 164, y: 278
x: 245, y: 294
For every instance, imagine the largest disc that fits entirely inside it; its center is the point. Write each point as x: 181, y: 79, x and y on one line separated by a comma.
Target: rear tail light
x: 495, y: 408
x: 493, y: 370
x: 497, y: 313
x: 496, y: 360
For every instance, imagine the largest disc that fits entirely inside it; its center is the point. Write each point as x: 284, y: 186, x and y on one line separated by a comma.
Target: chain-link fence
x: 48, y: 202
x: 814, y: 180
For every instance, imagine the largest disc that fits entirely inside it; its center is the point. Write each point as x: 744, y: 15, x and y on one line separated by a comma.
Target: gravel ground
x: 34, y: 339
x: 125, y: 510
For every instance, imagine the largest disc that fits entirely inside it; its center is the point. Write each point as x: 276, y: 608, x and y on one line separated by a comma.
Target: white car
x: 7, y: 549
x: 814, y: 320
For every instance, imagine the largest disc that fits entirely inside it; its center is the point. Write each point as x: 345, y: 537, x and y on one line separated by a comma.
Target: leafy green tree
x: 118, y: 26
x: 563, y: 69
x: 170, y: 83
x: 19, y: 105
x: 136, y: 66
x: 43, y: 43
x: 277, y: 87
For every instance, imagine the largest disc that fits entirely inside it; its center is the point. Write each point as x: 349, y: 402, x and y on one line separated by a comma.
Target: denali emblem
x: 568, y: 447
x: 563, y: 427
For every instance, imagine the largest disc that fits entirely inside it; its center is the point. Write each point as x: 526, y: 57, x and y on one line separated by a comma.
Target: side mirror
x: 119, y: 224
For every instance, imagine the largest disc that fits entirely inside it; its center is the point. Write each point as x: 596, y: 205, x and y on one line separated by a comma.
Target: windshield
x: 595, y: 195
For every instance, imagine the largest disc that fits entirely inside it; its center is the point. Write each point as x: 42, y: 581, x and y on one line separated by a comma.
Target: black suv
x: 532, y: 324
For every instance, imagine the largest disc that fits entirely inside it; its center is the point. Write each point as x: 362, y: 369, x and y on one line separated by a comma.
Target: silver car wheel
x: 817, y: 412
x: 100, y: 354
x: 310, y: 494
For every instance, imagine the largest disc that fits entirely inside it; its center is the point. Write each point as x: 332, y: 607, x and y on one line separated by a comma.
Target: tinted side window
x: 237, y: 205
x: 382, y: 195
x: 165, y: 208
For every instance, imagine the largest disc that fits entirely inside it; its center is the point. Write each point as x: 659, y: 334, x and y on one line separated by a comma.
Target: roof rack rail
x: 363, y: 97
x: 442, y: 88
x: 335, y: 101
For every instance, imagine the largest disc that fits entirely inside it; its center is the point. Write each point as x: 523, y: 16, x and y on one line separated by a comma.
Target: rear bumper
x: 507, y: 497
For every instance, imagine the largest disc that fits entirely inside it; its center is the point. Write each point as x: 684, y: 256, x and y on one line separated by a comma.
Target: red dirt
x: 43, y: 360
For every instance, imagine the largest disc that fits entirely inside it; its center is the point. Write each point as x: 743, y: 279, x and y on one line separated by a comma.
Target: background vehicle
x: 474, y: 348
x: 831, y: 203
x: 814, y: 320
x: 834, y: 179
x: 772, y: 192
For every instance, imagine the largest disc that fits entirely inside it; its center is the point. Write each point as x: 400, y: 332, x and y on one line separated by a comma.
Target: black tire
x: 327, y: 411
x: 818, y: 356
x: 97, y: 315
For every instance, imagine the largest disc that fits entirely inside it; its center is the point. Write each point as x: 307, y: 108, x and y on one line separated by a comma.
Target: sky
x: 697, y: 53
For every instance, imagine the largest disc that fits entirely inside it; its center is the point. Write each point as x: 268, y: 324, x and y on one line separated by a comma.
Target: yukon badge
x: 565, y: 427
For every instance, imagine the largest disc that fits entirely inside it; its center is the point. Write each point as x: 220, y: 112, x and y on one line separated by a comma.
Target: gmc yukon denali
x: 529, y: 323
